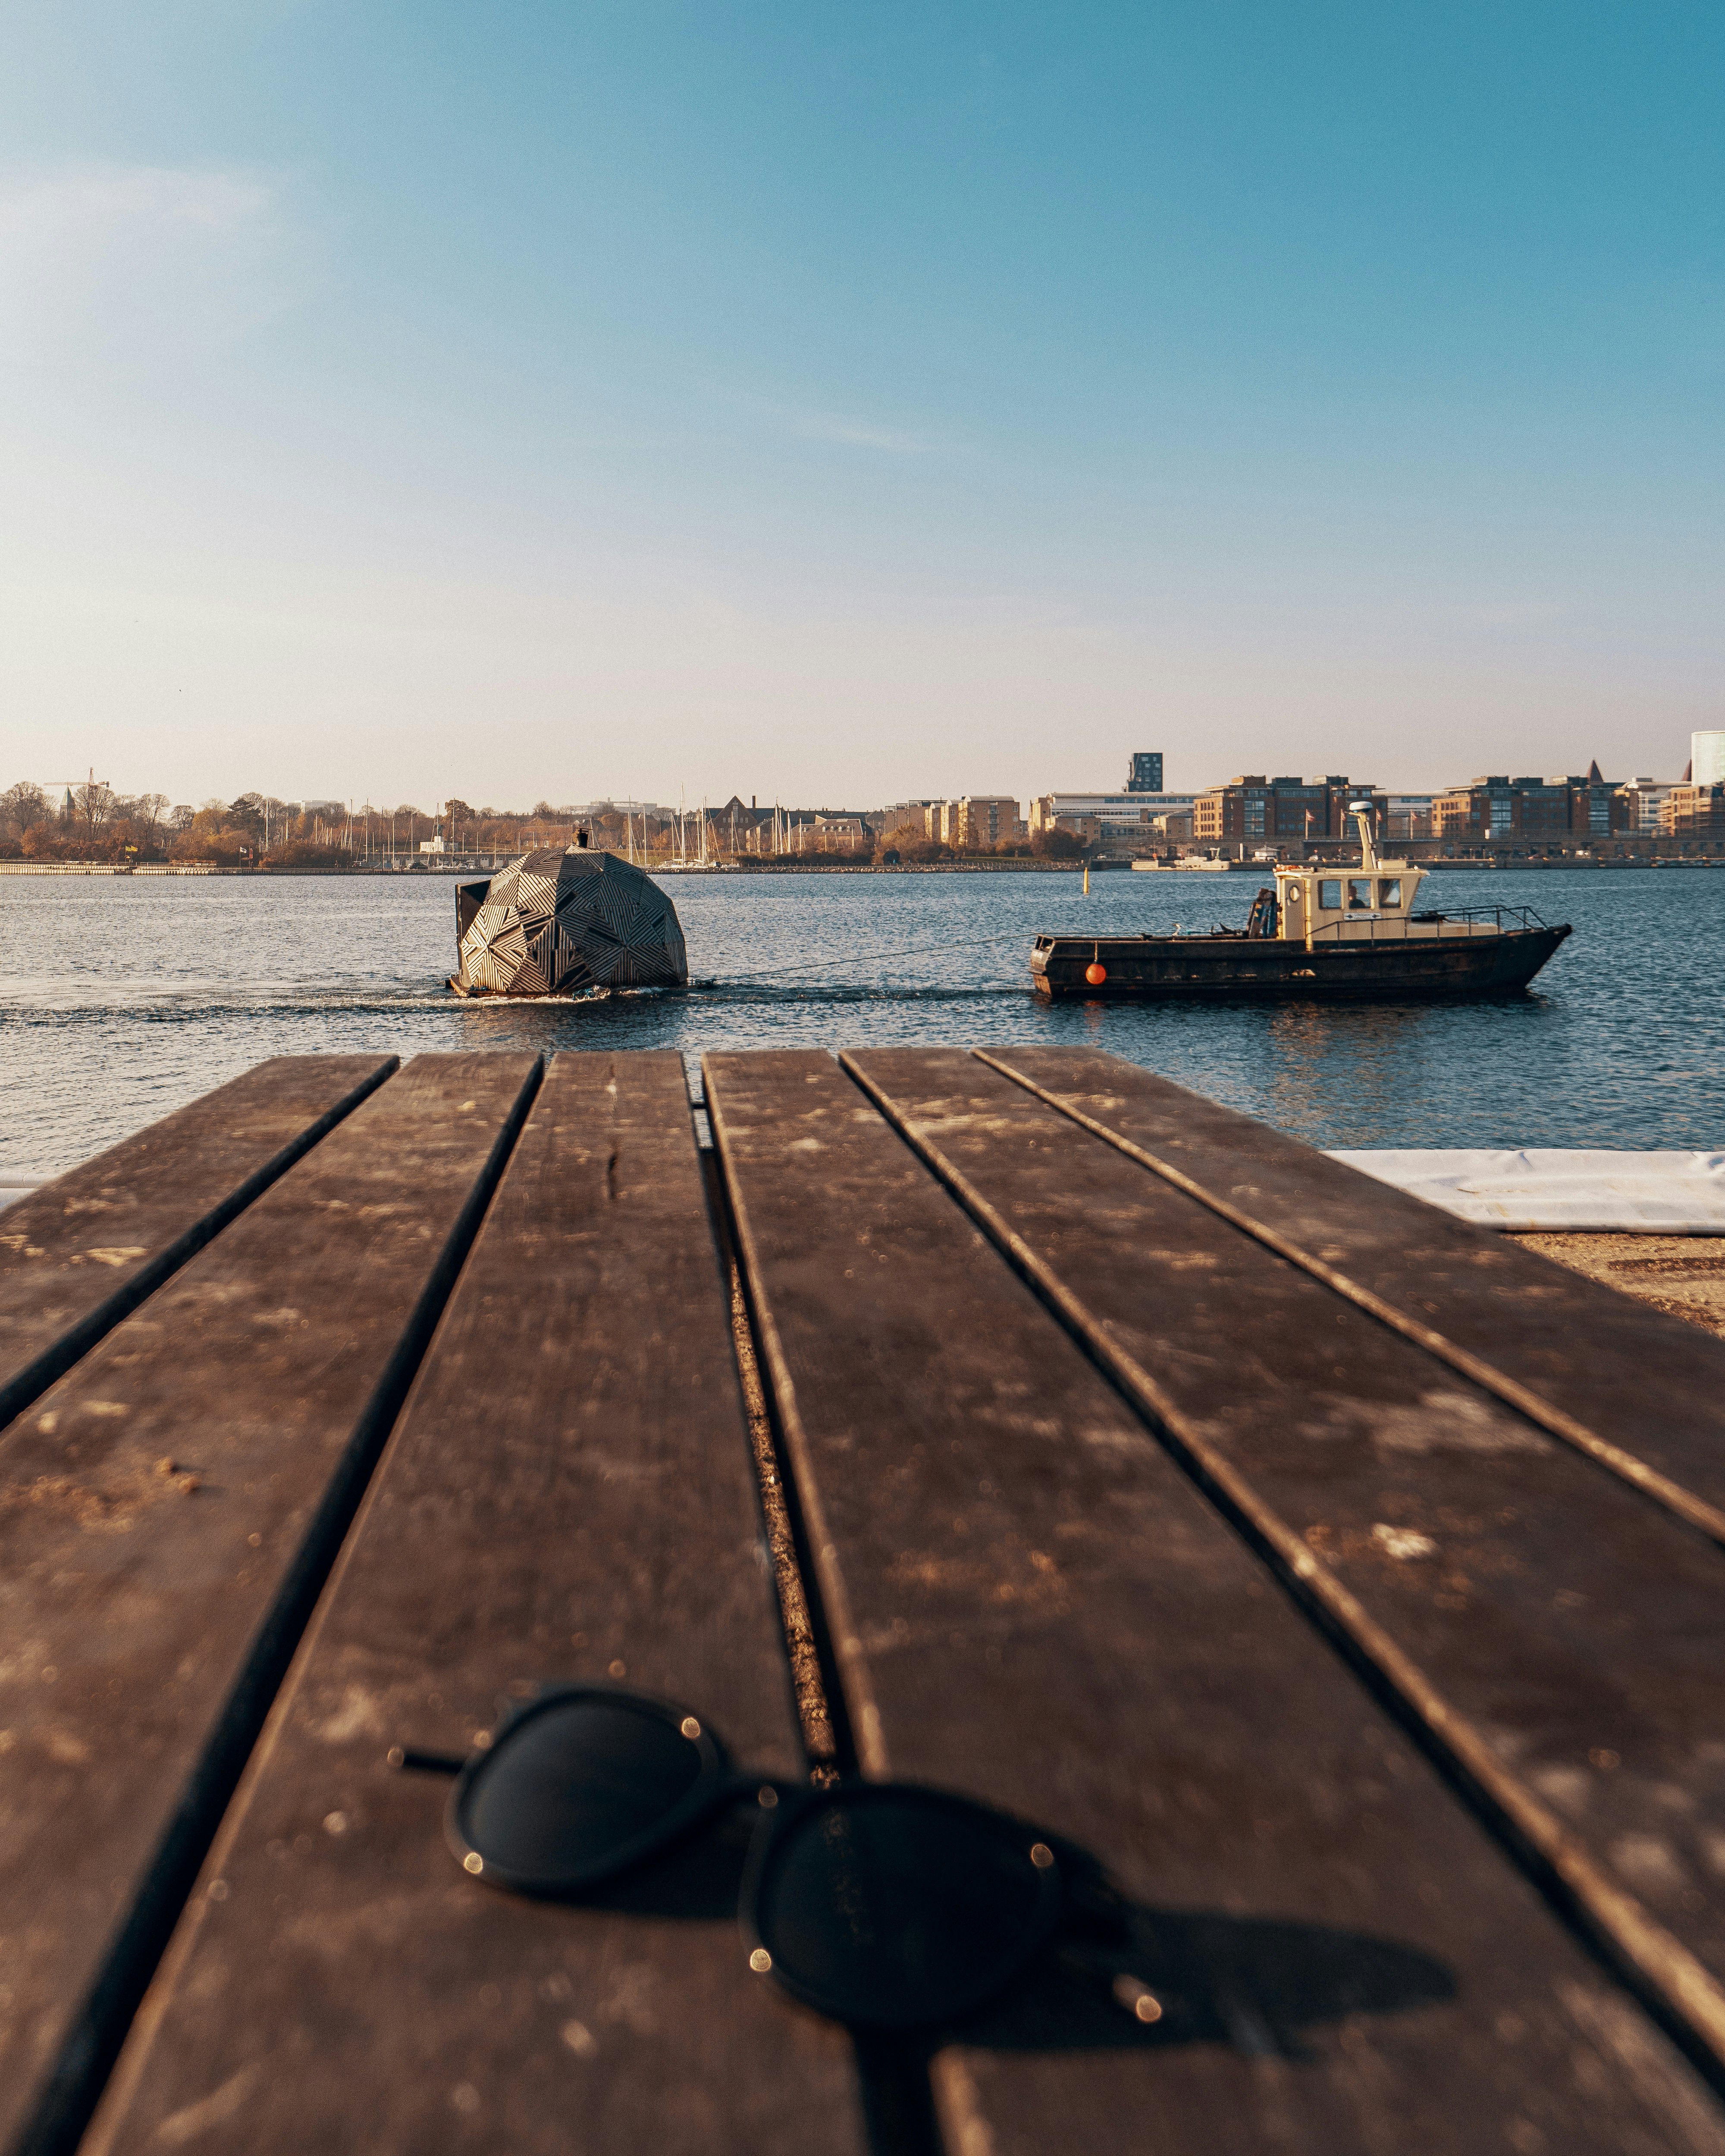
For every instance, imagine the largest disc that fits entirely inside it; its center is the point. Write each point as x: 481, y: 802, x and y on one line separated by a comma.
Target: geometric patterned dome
x: 555, y: 923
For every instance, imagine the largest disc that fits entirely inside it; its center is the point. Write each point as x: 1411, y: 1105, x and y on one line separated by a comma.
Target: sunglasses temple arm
x: 406, y: 1760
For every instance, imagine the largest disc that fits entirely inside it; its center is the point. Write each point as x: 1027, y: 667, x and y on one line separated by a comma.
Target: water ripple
x: 119, y: 1000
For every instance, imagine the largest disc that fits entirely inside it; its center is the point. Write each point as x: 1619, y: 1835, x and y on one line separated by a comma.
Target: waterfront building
x: 1695, y: 811
x: 1131, y: 817
x: 1644, y: 801
x: 1253, y: 809
x: 1497, y: 809
x: 982, y: 819
x: 975, y: 819
x: 1707, y: 757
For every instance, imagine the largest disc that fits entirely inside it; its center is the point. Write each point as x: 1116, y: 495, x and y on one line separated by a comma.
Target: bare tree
x: 148, y: 811
x: 23, y: 805
x: 181, y: 819
x: 92, y: 805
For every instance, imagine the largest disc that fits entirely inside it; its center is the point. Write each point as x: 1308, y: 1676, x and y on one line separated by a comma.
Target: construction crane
x: 69, y: 783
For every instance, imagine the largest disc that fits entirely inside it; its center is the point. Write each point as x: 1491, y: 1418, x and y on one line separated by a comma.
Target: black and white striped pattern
x: 557, y: 924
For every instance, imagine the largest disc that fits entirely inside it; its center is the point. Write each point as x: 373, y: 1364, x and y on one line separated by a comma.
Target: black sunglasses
x: 881, y: 1904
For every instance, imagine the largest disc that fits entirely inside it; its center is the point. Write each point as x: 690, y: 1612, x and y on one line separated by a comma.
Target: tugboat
x: 1335, y: 935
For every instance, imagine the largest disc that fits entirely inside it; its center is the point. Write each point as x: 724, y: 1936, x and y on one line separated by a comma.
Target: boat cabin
x: 1342, y: 905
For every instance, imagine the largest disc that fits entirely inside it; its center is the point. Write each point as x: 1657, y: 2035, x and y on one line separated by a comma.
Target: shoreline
x: 1112, y: 867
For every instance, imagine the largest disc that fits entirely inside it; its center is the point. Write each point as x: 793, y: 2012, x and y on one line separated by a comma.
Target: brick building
x: 1498, y: 810
x: 1253, y: 810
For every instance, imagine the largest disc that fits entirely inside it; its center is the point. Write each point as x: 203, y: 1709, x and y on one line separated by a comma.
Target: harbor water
x: 121, y: 998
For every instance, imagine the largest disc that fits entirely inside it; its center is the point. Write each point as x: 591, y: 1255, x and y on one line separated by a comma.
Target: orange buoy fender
x: 1096, y: 974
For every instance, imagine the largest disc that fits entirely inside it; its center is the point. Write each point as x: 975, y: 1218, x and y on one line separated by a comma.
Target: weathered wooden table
x: 1346, y: 1580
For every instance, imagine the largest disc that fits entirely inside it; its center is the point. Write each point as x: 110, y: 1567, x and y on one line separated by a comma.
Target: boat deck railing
x: 1475, y: 920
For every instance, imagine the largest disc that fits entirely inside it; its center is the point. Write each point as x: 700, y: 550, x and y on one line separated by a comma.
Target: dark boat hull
x: 1140, y: 968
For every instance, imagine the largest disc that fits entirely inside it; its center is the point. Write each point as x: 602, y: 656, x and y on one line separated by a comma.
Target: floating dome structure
x: 558, y: 923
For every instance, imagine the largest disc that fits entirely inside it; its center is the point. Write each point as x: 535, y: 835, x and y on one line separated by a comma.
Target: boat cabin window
x: 1389, y: 893
x: 1359, y: 894
x: 1329, y: 893
x: 1293, y: 893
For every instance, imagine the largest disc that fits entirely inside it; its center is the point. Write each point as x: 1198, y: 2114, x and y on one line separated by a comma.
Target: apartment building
x: 1498, y: 809
x: 982, y: 819
x: 1695, y: 811
x: 1253, y: 809
x: 972, y: 820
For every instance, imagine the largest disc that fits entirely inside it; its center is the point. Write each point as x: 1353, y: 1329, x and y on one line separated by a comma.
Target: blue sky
x: 570, y: 399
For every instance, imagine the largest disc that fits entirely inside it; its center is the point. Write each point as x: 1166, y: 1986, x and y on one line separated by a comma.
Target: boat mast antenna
x: 1367, y: 851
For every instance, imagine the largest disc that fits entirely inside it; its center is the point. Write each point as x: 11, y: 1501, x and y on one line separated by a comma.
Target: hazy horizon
x: 604, y: 401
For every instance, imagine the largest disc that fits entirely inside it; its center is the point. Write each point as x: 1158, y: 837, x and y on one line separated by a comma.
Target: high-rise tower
x: 1707, y: 757
x: 1145, y: 776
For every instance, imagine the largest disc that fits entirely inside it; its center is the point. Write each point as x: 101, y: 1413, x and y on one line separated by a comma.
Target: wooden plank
x: 86, y: 1249
x: 570, y: 1492
x: 1647, y: 1403
x: 146, y: 1616
x: 1556, y: 1635
x: 1029, y: 1601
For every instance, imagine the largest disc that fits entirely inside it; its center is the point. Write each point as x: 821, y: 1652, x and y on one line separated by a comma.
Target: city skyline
x: 1705, y: 761
x: 1704, y: 755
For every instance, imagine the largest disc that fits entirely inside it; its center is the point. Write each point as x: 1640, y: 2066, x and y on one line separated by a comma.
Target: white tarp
x: 1626, y: 1193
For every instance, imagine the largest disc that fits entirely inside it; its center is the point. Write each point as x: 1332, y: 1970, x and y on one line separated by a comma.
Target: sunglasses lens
x: 571, y: 1786
x: 899, y: 1909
